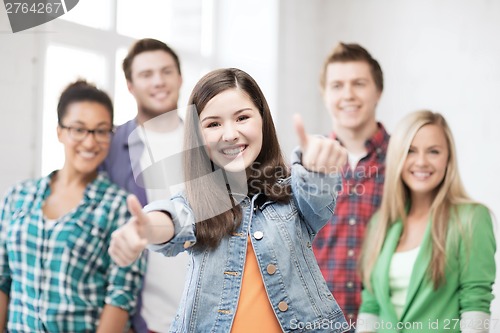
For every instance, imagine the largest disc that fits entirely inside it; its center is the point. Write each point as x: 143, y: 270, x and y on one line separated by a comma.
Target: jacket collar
x: 381, y: 275
x: 420, y: 269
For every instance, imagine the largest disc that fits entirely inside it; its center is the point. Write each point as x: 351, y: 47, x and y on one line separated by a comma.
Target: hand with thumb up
x: 128, y: 242
x: 319, y: 154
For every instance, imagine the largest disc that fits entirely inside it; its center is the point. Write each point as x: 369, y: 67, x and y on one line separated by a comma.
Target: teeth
x: 160, y: 95
x: 350, y: 108
x: 421, y: 174
x: 86, y: 154
x: 233, y: 151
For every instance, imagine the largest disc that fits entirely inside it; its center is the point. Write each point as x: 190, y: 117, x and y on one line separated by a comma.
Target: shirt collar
x: 133, y: 129
x: 377, y: 142
x: 93, y: 190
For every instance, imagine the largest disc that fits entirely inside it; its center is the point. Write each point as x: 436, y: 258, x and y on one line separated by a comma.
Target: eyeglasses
x: 80, y: 133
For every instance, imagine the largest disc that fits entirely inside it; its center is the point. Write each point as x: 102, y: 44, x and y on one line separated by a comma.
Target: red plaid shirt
x: 338, y: 244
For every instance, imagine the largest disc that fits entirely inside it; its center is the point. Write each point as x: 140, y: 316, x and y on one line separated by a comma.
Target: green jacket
x: 470, y: 273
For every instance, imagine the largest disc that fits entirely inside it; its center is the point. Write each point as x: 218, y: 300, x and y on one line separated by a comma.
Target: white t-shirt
x: 354, y: 159
x: 399, y: 277
x: 165, y: 276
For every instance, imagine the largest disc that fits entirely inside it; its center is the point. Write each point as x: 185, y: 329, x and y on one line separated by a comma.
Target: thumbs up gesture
x: 128, y: 242
x: 319, y: 154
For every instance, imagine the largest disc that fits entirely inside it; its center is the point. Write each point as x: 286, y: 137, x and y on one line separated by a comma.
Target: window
x: 92, y: 13
x: 124, y: 102
x: 64, y: 65
x: 157, y: 25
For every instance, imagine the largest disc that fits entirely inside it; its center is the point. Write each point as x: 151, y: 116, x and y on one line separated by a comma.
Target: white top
x: 49, y: 223
x: 354, y: 159
x: 162, y: 149
x: 165, y: 276
x: 399, y: 277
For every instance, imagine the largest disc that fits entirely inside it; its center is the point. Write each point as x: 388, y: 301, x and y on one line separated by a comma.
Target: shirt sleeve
x: 314, y: 193
x: 475, y: 322
x: 184, y: 225
x: 367, y: 322
x: 477, y: 261
x: 124, y: 283
x: 5, y: 217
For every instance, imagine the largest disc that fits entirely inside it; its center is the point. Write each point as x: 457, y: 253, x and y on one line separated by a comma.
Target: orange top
x: 254, y: 312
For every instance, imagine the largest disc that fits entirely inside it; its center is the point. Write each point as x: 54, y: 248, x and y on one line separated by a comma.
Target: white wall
x: 246, y: 37
x: 300, y: 57
x: 442, y: 55
x: 20, y: 115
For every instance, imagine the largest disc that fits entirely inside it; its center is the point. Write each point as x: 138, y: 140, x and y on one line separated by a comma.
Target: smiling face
x: 83, y: 157
x: 232, y: 130
x: 155, y: 83
x: 427, y: 161
x: 351, y: 96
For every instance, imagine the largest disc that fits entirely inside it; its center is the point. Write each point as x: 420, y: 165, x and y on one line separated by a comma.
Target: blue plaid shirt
x: 59, y: 276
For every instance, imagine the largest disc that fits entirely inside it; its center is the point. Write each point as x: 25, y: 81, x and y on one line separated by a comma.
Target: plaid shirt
x: 59, y: 276
x: 338, y: 244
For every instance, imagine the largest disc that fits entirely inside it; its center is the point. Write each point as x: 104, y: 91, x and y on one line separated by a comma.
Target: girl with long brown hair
x: 247, y: 219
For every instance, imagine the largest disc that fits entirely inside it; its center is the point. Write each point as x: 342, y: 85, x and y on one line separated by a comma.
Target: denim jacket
x: 281, y: 235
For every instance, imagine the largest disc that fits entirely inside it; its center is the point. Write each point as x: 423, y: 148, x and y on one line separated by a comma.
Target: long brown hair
x: 207, y: 186
x: 396, y: 196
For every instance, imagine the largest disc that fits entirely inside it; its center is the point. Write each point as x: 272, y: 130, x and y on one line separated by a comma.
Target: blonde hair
x: 395, y: 198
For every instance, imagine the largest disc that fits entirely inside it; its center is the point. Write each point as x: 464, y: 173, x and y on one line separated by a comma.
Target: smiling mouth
x: 233, y: 151
x: 160, y: 95
x: 350, y: 108
x: 421, y: 175
x: 87, y: 154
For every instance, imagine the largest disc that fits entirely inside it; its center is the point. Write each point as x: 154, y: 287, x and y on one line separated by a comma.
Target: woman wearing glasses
x: 55, y: 272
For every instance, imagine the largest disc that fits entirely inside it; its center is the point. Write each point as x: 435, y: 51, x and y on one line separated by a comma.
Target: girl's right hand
x: 128, y: 241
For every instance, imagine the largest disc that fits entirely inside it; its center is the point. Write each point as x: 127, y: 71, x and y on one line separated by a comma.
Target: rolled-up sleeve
x: 315, y: 193
x: 184, y: 225
x: 124, y: 283
x: 477, y: 262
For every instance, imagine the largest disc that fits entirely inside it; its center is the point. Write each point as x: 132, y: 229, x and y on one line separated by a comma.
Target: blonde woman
x: 428, y: 260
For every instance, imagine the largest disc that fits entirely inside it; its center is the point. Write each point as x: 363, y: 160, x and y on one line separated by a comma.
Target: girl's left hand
x: 319, y: 154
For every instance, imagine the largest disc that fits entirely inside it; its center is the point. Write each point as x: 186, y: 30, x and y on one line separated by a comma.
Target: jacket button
x: 258, y: 235
x: 187, y: 244
x: 271, y: 269
x: 352, y: 221
x: 283, y: 306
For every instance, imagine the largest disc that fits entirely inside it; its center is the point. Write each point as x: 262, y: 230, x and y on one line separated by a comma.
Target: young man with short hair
x: 144, y: 156
x: 352, y: 84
